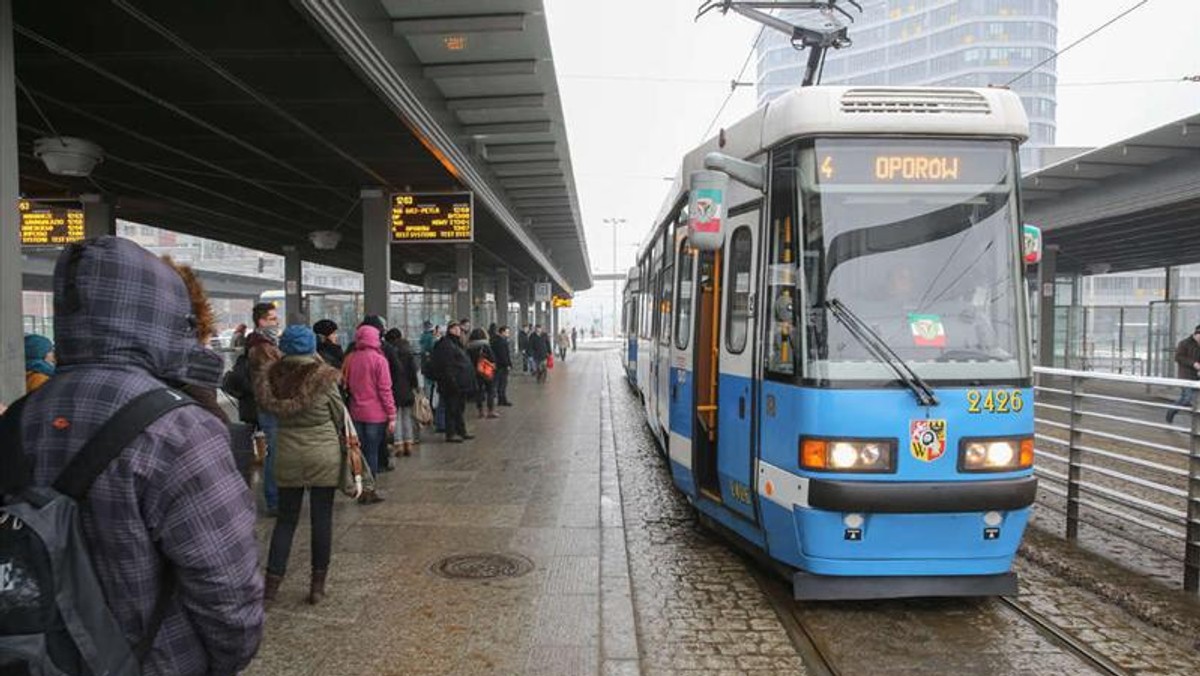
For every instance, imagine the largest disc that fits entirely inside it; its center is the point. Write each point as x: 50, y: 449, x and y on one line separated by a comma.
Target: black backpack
x: 54, y: 619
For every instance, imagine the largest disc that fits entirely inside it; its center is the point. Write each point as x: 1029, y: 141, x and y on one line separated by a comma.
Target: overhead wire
x: 733, y: 90
x: 1056, y: 54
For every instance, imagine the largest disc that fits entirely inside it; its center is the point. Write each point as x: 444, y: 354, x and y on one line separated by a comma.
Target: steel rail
x: 816, y: 657
x: 1063, y: 638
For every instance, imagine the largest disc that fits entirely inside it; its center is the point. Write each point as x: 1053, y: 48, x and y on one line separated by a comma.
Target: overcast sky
x: 641, y: 80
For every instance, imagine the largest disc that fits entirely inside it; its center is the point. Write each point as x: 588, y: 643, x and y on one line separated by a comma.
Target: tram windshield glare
x: 920, y: 238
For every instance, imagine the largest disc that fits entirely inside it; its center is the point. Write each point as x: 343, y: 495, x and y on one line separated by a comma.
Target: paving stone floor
x: 530, y: 484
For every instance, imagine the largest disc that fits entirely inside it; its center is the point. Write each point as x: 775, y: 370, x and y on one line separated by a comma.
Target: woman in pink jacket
x: 372, y: 406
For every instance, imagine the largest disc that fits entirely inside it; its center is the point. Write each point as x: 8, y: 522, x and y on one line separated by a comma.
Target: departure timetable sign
x: 911, y: 163
x: 432, y: 217
x: 49, y: 224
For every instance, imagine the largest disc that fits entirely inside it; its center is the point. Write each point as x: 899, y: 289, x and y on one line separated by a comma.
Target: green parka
x: 302, y: 391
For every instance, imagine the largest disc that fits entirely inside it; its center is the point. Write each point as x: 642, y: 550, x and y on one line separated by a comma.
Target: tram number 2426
x: 995, y: 401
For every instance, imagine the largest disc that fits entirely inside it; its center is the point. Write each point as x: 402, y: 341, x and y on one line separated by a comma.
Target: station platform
x: 524, y: 497
x: 538, y: 486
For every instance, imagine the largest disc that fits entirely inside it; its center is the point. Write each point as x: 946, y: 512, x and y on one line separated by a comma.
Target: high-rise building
x: 964, y: 43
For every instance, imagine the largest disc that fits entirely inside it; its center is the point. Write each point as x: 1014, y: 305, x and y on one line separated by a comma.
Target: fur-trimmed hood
x: 293, y: 384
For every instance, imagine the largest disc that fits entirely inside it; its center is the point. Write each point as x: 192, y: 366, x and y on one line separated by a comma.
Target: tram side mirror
x: 1031, y: 244
x: 706, y: 209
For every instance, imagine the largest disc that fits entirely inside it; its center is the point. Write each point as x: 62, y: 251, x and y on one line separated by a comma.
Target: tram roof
x: 825, y: 110
x: 1130, y: 205
x: 260, y: 122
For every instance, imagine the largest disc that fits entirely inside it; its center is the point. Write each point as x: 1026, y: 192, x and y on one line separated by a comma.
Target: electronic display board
x: 432, y: 217
x: 45, y: 224
x: 911, y: 162
x: 560, y: 301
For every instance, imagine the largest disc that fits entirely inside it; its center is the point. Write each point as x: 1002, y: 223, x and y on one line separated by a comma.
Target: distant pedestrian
x: 539, y: 352
x: 258, y: 352
x: 492, y: 329
x: 464, y: 326
x: 503, y: 351
x: 564, y: 344
x: 238, y: 341
x: 301, y: 390
x: 480, y: 349
x: 328, y: 348
x: 455, y: 376
x: 368, y: 379
x: 405, y: 385
x: 39, y: 361
x: 523, y: 347
x: 428, y: 339
x: 574, y: 339
x: 1187, y: 367
x: 169, y: 527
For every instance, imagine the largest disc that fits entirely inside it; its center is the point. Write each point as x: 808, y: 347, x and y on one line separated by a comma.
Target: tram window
x: 737, y: 290
x: 664, y: 304
x: 683, y: 316
x: 782, y: 266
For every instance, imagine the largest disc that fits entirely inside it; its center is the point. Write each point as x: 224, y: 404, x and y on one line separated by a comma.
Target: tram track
x: 1063, y: 638
x: 820, y: 661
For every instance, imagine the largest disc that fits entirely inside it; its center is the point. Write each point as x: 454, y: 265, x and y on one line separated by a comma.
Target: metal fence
x: 1108, y: 455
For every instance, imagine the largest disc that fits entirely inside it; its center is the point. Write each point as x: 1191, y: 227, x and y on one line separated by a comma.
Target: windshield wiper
x: 880, y: 350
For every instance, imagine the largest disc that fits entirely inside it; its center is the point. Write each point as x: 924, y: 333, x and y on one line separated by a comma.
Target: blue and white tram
x: 833, y: 350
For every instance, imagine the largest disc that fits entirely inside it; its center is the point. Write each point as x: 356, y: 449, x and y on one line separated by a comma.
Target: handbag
x: 422, y: 411
x: 550, y: 360
x: 486, y: 368
x: 351, y: 477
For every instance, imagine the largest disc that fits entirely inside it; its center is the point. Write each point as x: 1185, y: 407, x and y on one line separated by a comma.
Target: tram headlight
x: 996, y: 455
x: 848, y: 455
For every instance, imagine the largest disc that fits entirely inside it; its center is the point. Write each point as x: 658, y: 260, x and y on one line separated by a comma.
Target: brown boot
x: 408, y: 448
x: 316, y: 589
x: 271, y: 588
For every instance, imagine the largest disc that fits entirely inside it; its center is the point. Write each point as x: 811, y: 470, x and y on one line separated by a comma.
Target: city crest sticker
x: 927, y: 439
x: 927, y: 330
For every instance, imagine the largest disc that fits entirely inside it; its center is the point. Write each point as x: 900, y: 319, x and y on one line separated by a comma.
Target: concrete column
x: 12, y: 344
x: 502, y: 296
x: 99, y: 217
x: 377, y: 252
x: 1047, y: 271
x: 464, y: 282
x: 293, y: 297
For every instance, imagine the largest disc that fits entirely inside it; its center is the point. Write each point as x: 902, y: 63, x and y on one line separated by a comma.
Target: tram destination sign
x: 433, y: 217
x: 934, y: 163
x: 46, y: 225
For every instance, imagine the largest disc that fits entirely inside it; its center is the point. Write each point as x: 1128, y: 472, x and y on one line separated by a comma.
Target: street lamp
x: 614, y: 222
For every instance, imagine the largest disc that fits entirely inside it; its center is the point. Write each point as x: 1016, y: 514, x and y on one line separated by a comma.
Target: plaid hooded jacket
x: 173, y: 499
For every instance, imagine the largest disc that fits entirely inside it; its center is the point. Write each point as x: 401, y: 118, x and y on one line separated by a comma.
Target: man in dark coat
x: 503, y: 352
x: 523, y: 348
x: 455, y: 377
x: 1187, y: 367
x: 327, y: 343
x: 539, y: 352
x: 173, y: 503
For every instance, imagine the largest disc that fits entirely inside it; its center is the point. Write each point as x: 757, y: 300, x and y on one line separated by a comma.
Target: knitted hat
x: 298, y: 339
x: 373, y: 320
x: 325, y: 327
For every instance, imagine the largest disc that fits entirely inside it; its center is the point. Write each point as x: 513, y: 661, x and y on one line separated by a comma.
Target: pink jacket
x: 369, y: 380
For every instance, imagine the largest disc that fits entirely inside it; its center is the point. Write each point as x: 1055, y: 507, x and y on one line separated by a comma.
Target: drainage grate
x: 482, y: 566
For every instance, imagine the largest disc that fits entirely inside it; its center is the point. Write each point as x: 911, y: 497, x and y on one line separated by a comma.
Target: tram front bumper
x: 809, y: 587
x: 922, y: 497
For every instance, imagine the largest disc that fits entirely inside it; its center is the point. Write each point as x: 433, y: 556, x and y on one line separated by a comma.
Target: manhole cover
x: 482, y: 566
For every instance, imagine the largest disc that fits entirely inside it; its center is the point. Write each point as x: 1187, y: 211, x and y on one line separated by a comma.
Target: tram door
x: 722, y: 358
x: 736, y: 463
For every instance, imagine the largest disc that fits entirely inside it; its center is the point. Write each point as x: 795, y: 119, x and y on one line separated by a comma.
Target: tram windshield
x: 920, y: 239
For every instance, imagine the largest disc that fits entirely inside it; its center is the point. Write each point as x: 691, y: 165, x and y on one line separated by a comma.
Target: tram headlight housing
x: 848, y: 455
x: 1008, y: 454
